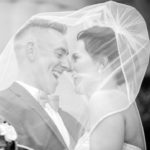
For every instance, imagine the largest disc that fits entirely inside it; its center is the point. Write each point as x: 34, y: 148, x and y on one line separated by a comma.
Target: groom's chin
x: 78, y: 89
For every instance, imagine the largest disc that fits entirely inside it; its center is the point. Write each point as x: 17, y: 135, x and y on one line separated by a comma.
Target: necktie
x: 52, y: 100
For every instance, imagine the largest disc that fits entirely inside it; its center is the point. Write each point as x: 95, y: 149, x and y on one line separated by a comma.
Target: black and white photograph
x: 74, y: 75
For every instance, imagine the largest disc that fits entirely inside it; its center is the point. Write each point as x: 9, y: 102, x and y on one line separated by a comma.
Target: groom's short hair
x: 31, y: 31
x: 41, y: 24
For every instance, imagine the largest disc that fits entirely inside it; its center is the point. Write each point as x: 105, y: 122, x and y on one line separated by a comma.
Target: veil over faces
x: 124, y: 41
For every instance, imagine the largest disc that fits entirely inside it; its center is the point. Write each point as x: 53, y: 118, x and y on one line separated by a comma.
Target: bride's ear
x: 102, y: 64
x: 105, y: 61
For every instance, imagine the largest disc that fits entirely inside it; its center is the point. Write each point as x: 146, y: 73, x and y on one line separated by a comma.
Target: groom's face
x: 51, y: 60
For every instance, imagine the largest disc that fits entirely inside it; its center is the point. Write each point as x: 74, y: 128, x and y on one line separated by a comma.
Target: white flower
x: 8, y: 132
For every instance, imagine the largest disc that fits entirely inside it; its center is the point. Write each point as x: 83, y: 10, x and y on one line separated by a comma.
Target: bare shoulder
x: 110, y: 130
x: 134, y: 133
x: 132, y: 118
x: 114, y: 122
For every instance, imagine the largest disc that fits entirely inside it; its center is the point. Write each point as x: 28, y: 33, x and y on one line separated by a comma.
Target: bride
x: 114, y: 121
x: 108, y: 67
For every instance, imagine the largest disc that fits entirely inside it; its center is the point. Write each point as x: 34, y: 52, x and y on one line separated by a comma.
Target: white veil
x: 131, y: 38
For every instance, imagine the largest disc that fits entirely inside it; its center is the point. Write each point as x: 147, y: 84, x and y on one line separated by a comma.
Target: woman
x: 108, y: 70
x: 113, y: 122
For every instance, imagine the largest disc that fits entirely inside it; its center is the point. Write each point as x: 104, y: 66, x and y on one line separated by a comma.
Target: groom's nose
x: 66, y: 65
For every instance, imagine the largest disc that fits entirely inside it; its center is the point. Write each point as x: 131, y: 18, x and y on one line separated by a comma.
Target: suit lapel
x: 33, y: 104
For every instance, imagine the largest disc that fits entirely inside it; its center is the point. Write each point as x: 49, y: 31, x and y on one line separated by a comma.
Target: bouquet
x: 8, y: 137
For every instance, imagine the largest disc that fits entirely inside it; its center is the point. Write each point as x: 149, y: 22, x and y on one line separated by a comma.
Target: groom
x: 41, y: 52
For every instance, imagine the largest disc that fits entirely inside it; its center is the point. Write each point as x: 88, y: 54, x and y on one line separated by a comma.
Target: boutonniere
x: 8, y: 131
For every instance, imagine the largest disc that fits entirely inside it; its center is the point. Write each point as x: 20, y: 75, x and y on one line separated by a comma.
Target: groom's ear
x: 30, y: 51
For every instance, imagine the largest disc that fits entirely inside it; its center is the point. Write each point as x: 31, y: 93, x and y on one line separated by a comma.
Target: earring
x: 100, y: 68
x: 102, y: 64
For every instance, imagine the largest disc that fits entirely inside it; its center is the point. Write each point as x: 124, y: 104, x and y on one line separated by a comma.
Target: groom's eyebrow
x: 63, y: 50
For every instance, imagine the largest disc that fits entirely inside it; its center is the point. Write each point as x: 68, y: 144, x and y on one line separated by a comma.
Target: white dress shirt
x: 54, y: 115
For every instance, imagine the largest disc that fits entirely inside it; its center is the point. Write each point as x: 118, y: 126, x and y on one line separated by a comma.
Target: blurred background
x: 13, y: 13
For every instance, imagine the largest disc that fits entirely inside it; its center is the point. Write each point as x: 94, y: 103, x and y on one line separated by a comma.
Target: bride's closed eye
x: 75, y: 57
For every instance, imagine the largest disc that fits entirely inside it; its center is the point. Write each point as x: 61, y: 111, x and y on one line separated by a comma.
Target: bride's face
x: 85, y: 70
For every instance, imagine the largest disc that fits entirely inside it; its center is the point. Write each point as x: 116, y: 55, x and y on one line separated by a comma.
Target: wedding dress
x: 97, y: 107
x: 83, y: 144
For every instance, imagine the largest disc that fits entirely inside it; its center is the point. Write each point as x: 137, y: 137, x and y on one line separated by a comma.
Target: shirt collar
x: 32, y: 90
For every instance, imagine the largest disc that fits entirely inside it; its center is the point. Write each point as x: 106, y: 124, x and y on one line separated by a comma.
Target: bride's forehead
x: 71, y: 39
x: 77, y: 48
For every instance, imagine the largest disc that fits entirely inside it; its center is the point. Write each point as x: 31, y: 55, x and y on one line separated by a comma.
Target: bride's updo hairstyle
x: 99, y: 41
x: 101, y: 45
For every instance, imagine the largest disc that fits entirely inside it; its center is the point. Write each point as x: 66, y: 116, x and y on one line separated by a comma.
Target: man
x: 41, y: 52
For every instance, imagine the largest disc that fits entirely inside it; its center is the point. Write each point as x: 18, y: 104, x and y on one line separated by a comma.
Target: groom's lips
x: 57, y: 72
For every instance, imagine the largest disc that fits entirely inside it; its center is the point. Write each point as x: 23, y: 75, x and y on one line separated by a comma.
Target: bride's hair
x: 100, y: 42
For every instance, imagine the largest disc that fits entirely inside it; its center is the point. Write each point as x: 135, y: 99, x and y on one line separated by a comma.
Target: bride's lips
x: 79, y: 75
x: 77, y: 78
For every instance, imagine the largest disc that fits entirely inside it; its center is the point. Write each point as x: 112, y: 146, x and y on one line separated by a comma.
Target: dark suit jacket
x: 34, y: 127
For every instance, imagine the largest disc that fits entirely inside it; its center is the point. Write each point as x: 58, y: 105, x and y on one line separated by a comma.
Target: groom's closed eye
x: 61, y: 52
